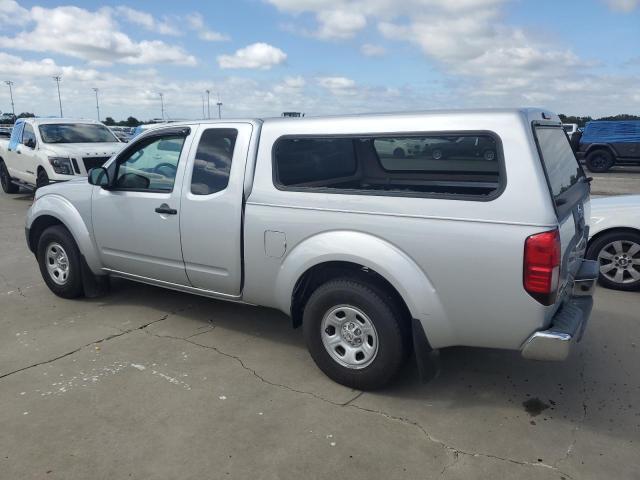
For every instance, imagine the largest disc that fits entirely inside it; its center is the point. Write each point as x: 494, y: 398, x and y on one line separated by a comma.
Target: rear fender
x: 411, y: 282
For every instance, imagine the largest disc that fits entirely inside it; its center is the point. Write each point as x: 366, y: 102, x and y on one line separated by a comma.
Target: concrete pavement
x: 149, y: 383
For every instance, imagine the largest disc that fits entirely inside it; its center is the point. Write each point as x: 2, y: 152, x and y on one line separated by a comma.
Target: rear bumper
x: 569, y: 322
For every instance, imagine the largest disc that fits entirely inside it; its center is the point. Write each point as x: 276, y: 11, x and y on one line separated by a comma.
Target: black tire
x: 599, y: 161
x: 42, y: 179
x: 399, y: 153
x: 384, y: 314
x: 5, y: 180
x: 601, y: 242
x: 72, y: 287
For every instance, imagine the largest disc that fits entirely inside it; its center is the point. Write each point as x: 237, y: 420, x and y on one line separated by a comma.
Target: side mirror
x: 31, y: 143
x: 99, y: 177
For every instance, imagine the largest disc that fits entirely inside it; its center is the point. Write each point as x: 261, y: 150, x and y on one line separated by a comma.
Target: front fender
x: 60, y: 208
x: 411, y: 282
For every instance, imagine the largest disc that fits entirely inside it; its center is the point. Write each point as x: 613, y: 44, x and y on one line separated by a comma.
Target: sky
x: 263, y: 57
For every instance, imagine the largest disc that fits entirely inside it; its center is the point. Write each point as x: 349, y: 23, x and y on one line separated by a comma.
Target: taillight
x: 542, y: 266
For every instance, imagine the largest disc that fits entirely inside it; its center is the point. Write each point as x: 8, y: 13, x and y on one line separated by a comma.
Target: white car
x: 46, y: 150
x: 614, y: 240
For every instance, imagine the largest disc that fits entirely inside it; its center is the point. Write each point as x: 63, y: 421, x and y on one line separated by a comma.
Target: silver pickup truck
x: 375, y: 255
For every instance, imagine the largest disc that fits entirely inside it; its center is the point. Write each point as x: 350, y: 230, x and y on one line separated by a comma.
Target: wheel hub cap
x: 57, y: 263
x: 349, y: 336
x: 620, y: 261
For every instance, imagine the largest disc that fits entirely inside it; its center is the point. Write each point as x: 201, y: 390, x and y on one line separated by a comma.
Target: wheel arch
x: 608, y: 230
x: 51, y: 210
x: 601, y: 146
x: 344, y: 253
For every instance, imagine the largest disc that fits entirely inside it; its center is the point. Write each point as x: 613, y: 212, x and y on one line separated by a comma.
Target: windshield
x: 563, y: 169
x: 75, y: 133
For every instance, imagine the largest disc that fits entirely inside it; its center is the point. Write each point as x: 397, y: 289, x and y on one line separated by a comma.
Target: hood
x: 80, y: 150
x: 617, y: 202
x: 65, y: 189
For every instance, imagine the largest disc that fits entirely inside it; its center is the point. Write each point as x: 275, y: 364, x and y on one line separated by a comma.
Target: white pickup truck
x: 47, y: 150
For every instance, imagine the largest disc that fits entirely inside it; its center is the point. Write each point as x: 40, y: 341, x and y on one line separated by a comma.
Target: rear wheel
x: 618, y: 254
x: 59, y: 261
x: 5, y: 180
x: 599, y: 161
x: 42, y: 179
x: 354, y: 333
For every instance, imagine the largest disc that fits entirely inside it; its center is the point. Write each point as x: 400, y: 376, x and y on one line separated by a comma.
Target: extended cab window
x: 213, y: 161
x: 456, y: 164
x: 563, y: 170
x: 152, y: 166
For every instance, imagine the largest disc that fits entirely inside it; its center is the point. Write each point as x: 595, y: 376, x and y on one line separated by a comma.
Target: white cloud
x: 623, y: 5
x: 93, y: 36
x: 371, y: 50
x: 261, y: 56
x: 11, y: 13
x: 338, y: 85
x: 196, y: 23
x: 339, y: 24
x: 147, y: 21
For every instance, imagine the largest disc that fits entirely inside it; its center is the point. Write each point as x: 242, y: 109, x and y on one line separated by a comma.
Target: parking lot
x: 150, y: 383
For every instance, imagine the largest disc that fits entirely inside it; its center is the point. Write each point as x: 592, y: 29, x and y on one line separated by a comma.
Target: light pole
x: 162, y: 104
x: 208, y: 107
x: 57, y: 79
x: 97, y: 104
x: 202, y: 98
x: 219, y: 107
x: 13, y: 108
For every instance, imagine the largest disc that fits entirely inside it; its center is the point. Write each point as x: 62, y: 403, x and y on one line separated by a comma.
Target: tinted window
x: 464, y: 154
x: 213, y: 161
x: 560, y: 163
x: 28, y: 134
x: 460, y: 164
x: 311, y: 160
x: 151, y: 166
x: 75, y: 133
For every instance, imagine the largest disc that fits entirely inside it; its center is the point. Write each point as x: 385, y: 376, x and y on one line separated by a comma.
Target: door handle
x: 166, y: 209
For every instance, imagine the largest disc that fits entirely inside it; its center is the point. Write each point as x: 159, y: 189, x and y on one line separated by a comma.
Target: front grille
x: 93, y: 162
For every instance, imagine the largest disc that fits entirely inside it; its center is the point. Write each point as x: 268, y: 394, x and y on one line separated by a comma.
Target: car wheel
x: 42, y: 179
x: 59, y: 261
x: 398, y: 153
x: 599, y: 161
x: 618, y: 254
x: 489, y: 155
x: 354, y: 333
x: 5, y: 180
x: 437, y: 154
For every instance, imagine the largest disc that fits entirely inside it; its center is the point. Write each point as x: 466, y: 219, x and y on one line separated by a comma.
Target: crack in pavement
x: 252, y: 371
x: 95, y: 342
x: 454, y: 451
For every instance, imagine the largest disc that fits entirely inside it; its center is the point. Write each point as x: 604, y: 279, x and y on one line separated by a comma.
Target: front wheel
x: 354, y: 333
x: 618, y: 254
x: 5, y: 180
x: 599, y: 161
x: 42, y: 179
x: 59, y: 261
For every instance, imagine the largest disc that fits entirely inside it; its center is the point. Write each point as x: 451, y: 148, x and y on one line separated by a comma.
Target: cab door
x: 136, y: 220
x: 212, y: 203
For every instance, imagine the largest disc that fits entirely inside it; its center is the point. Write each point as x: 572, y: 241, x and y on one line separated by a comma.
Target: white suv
x: 42, y: 151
